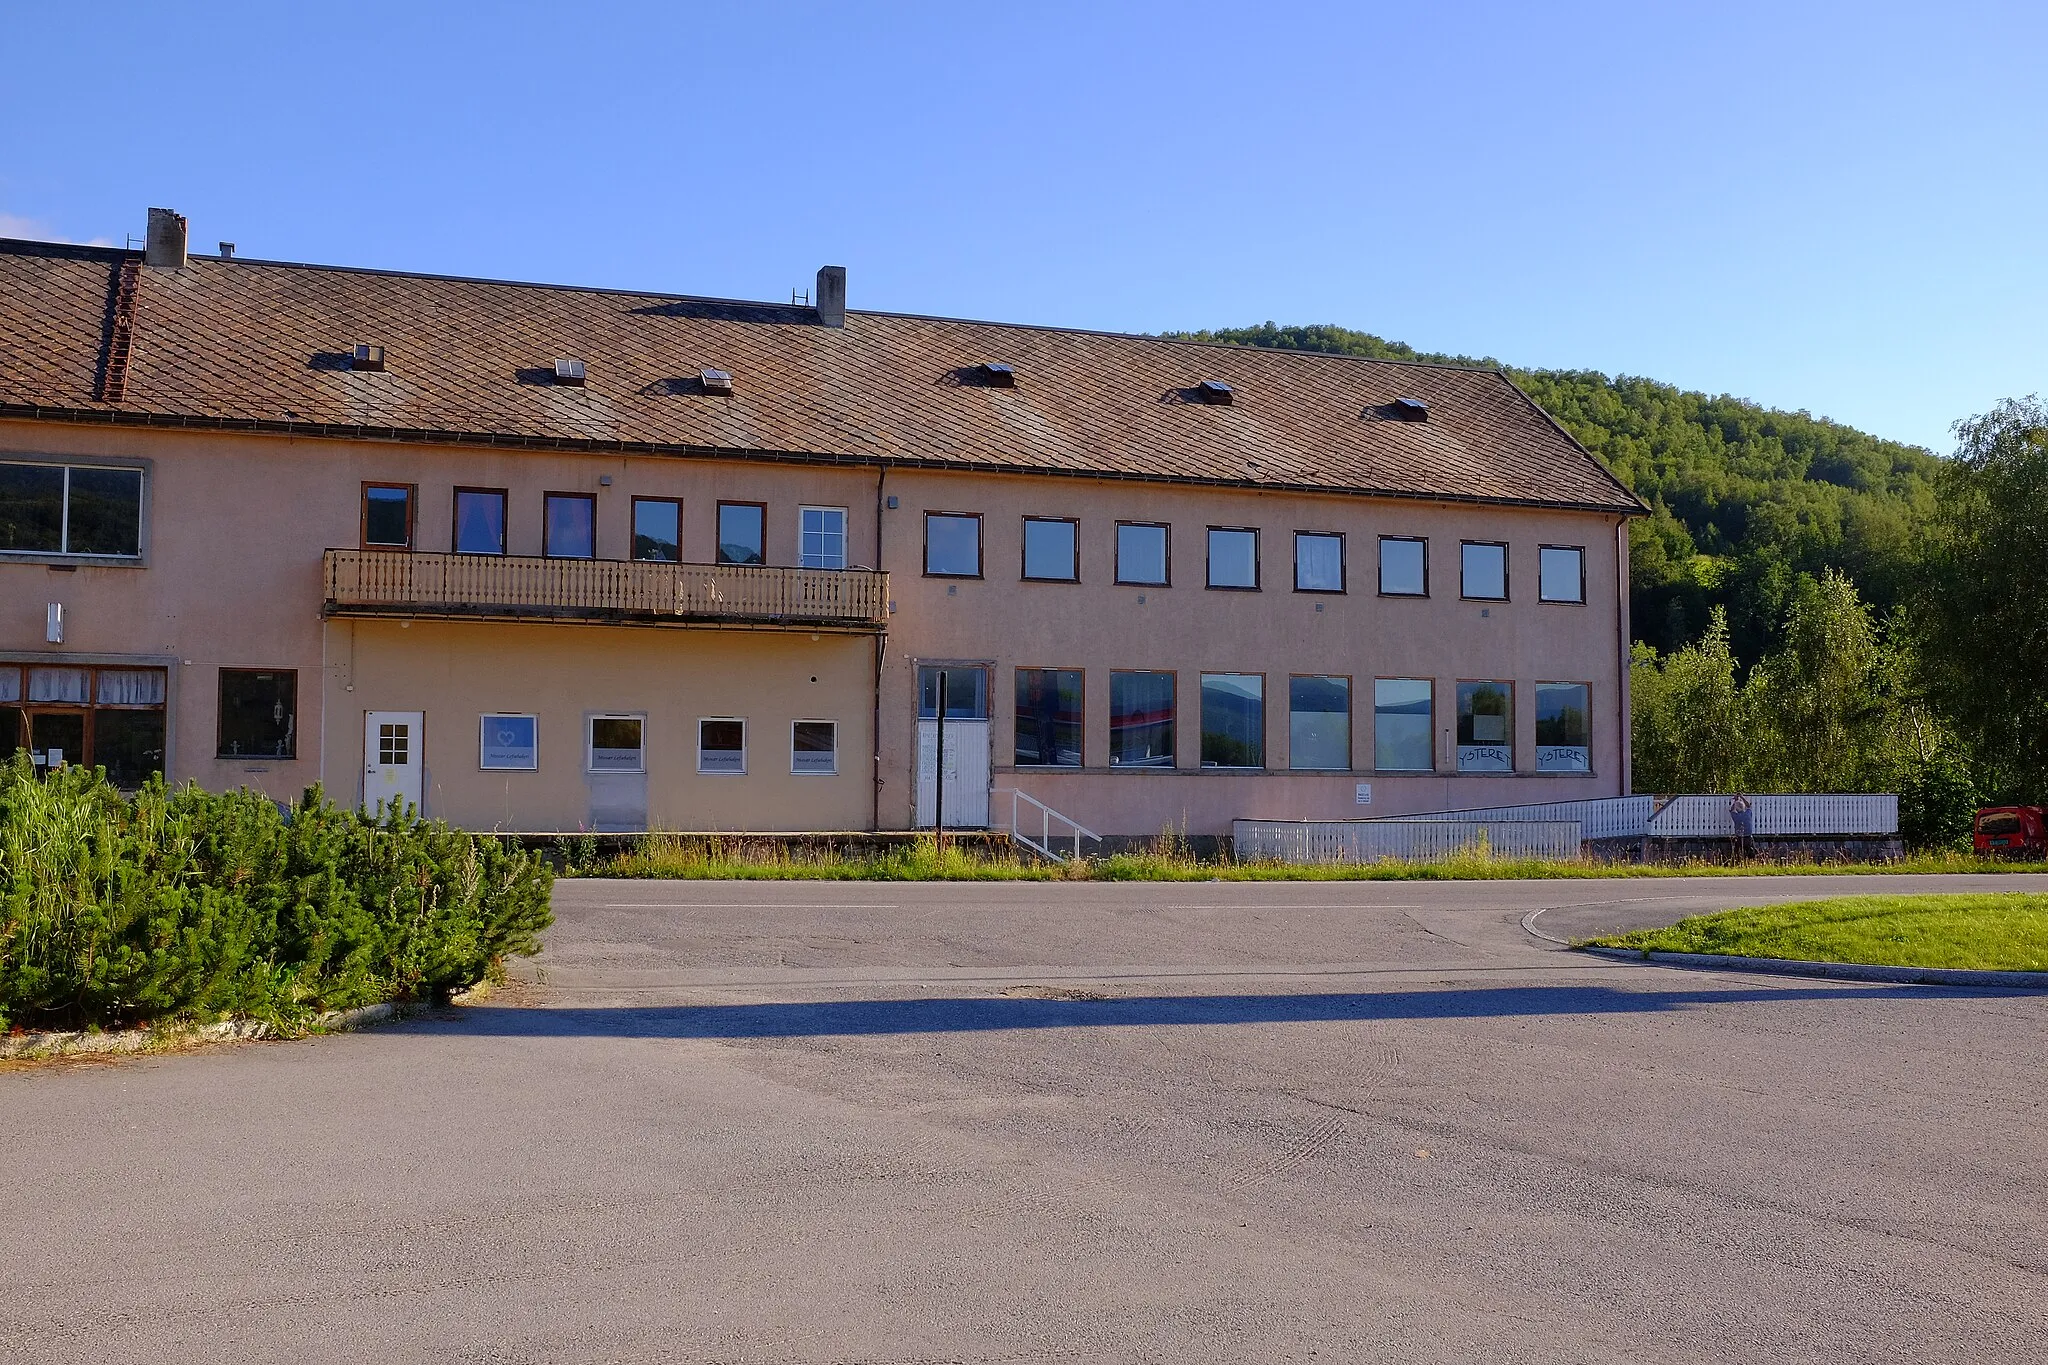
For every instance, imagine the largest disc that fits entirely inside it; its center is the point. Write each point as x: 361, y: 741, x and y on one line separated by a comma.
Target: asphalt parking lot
x: 823, y: 1122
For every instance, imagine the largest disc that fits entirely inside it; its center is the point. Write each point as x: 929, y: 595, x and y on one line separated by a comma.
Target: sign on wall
x: 509, y: 742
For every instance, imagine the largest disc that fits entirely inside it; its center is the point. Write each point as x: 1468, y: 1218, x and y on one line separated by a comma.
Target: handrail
x: 1043, y: 844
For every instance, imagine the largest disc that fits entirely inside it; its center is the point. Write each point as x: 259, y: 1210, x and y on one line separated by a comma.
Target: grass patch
x: 703, y: 858
x: 1998, y: 931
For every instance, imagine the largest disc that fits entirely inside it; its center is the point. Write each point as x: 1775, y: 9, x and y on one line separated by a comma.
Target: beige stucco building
x: 546, y: 559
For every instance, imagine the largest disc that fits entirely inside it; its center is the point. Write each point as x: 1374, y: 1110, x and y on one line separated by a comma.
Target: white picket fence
x: 1696, y: 817
x: 1364, y: 841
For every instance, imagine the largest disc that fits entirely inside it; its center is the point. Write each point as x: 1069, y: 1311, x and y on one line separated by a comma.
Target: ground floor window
x: 106, y: 717
x: 1048, y: 718
x: 1319, y: 723
x: 814, y: 747
x: 1233, y: 720
x: 618, y: 744
x: 508, y: 743
x: 1141, y: 720
x: 1402, y: 725
x: 721, y: 745
x: 1563, y: 726
x: 1486, y: 727
x: 259, y: 713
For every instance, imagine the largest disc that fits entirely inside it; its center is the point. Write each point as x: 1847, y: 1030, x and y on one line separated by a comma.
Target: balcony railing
x: 405, y: 583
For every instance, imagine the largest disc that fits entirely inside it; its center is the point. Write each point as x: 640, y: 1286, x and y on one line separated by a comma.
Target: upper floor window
x: 1052, y: 551
x: 387, y: 515
x: 568, y: 528
x: 1233, y: 557
x: 1318, y: 562
x: 658, y: 529
x: 479, y: 521
x: 821, y: 537
x: 952, y: 544
x: 743, y: 533
x: 1404, y: 566
x: 1143, y: 554
x: 57, y: 509
x: 1561, y: 574
x: 1483, y: 570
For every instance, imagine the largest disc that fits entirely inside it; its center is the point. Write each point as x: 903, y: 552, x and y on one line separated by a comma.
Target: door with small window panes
x: 392, y: 759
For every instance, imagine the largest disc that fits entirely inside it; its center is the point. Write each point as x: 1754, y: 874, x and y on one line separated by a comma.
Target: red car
x: 2013, y: 831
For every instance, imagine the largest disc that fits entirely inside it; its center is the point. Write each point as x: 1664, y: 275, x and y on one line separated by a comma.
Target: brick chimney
x: 165, y: 244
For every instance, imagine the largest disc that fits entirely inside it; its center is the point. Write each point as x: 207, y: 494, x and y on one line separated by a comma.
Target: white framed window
x: 722, y: 745
x: 616, y: 744
x: 507, y: 742
x: 814, y: 747
x: 821, y: 537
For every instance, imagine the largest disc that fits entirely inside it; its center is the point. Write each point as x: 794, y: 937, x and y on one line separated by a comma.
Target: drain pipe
x: 881, y: 656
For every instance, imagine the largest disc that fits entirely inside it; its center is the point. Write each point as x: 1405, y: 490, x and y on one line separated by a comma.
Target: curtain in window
x: 131, y: 687
x: 10, y: 687
x: 1319, y: 563
x: 59, y: 685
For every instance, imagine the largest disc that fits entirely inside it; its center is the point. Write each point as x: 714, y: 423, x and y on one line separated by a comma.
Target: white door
x: 967, y: 753
x: 392, y: 760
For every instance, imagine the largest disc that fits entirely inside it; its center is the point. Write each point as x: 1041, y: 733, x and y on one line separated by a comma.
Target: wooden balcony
x: 510, y: 587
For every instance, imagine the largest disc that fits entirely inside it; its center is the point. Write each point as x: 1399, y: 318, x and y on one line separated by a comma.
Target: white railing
x: 1042, y: 845
x: 1364, y: 841
x: 1708, y: 817
x: 435, y: 584
x: 1610, y: 817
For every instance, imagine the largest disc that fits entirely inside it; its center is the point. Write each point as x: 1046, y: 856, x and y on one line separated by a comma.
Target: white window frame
x: 590, y: 741
x: 740, y: 771
x: 795, y: 771
x: 803, y: 556
x: 483, y: 722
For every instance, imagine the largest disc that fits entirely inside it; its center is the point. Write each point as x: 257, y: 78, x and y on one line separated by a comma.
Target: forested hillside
x: 1749, y: 503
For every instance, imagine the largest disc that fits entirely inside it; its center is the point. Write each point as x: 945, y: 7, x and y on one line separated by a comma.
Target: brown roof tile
x: 254, y: 344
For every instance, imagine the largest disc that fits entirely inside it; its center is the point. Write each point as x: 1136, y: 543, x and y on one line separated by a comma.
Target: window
x: 1483, y: 570
x: 508, y: 743
x: 658, y: 529
x: 387, y: 516
x: 1233, y: 720
x: 1318, y: 562
x: 743, y: 533
x: 1319, y: 723
x: 1233, y: 558
x: 722, y: 746
x: 952, y: 544
x: 1561, y: 574
x: 618, y: 744
x: 1404, y: 566
x: 1142, y: 553
x: 1048, y: 718
x: 479, y: 521
x: 1052, y: 551
x: 1563, y: 722
x: 821, y: 537
x: 1141, y: 720
x: 966, y: 692
x: 814, y: 747
x: 568, y: 528
x: 1486, y: 733
x: 111, y: 718
x: 55, y: 509
x: 1402, y: 724
x: 259, y: 713
x: 394, y: 744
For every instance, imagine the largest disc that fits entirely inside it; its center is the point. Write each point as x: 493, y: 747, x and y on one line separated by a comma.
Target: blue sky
x: 1832, y: 207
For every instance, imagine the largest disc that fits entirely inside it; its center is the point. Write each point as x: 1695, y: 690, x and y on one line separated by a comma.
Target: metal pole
x: 939, y: 772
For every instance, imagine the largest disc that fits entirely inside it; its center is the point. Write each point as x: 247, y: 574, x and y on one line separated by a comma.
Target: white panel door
x: 966, y: 773
x: 392, y: 758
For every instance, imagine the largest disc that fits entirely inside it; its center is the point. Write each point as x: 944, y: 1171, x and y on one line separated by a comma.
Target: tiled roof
x: 259, y: 345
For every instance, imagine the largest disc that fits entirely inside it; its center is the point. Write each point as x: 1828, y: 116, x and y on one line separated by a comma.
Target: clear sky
x: 1835, y: 207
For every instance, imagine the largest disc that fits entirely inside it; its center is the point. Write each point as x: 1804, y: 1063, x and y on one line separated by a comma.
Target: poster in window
x: 509, y: 744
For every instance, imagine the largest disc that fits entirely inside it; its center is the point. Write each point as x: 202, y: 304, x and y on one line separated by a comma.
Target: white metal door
x: 392, y: 758
x: 966, y: 773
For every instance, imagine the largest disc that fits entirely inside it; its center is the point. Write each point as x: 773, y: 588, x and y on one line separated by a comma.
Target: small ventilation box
x: 998, y: 375
x: 569, y: 370
x: 364, y: 356
x: 716, y: 381
x: 1216, y: 391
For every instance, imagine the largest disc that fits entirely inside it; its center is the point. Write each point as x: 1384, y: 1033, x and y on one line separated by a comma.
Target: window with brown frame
x: 1234, y: 558
x: 1483, y: 570
x: 568, y: 526
x: 743, y: 533
x: 479, y: 521
x: 388, y: 515
x: 658, y: 529
x: 1561, y: 573
x: 1404, y: 566
x: 1318, y: 561
x: 952, y: 545
x: 92, y: 716
x: 259, y: 713
x: 1144, y: 553
x: 1052, y: 549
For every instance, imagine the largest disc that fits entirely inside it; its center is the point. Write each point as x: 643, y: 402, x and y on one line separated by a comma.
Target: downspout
x: 881, y: 657
x: 1621, y: 634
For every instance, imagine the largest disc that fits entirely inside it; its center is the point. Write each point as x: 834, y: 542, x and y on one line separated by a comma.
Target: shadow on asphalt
x: 981, y: 1014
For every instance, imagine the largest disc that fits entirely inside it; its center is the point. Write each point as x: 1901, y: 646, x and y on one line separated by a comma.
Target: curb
x: 1841, y: 971
x: 38, y: 1046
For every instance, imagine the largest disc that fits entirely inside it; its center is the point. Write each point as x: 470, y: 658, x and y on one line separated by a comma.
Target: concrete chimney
x: 832, y: 295
x: 165, y: 244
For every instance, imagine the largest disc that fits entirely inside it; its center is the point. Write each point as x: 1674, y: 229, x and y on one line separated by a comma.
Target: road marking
x: 743, y: 905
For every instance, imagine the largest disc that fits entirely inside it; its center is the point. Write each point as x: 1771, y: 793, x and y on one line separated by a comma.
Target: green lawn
x: 1997, y: 931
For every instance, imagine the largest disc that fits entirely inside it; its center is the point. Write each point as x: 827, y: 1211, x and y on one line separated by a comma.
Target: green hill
x: 1746, y: 499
